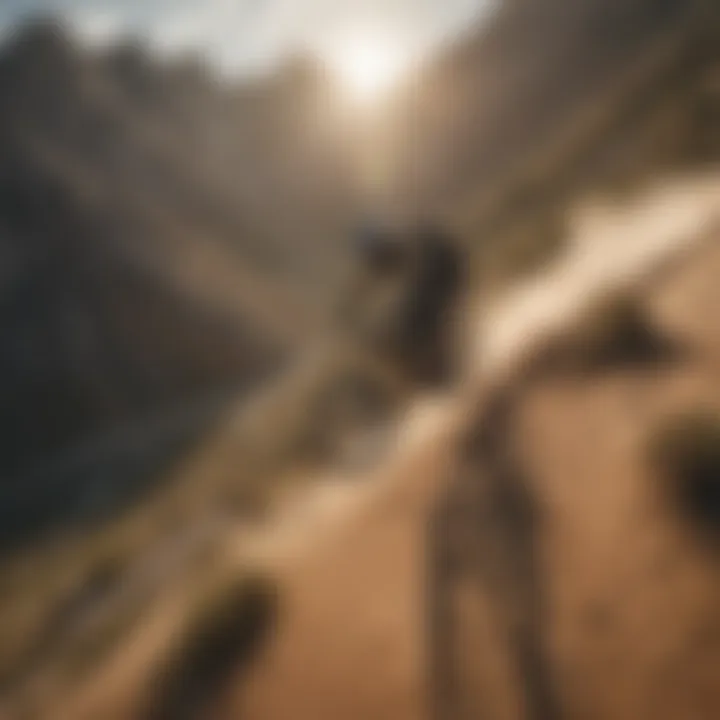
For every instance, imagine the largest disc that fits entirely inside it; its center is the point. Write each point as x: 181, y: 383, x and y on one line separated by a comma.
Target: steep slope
x: 230, y: 200
x: 117, y: 296
x: 552, y: 99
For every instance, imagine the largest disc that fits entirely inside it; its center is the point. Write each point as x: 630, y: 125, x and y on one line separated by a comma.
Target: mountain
x: 142, y: 265
x: 552, y: 97
x: 166, y: 236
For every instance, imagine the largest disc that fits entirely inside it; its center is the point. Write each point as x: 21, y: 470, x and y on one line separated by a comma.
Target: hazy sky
x: 244, y: 34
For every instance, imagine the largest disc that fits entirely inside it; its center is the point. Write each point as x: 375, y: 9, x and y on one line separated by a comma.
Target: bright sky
x: 242, y: 35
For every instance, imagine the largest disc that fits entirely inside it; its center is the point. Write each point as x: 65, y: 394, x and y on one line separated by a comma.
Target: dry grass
x: 528, y: 245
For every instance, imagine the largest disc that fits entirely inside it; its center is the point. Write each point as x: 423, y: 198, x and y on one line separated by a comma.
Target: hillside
x: 128, y: 182
x: 553, y: 101
x: 519, y: 84
x: 170, y: 243
x: 352, y: 562
x: 136, y: 275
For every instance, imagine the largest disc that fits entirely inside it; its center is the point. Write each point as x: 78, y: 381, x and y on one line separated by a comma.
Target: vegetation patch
x: 618, y: 331
x: 685, y: 452
x: 222, y: 635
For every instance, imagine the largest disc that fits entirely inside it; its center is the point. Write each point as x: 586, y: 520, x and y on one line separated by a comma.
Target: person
x: 378, y: 248
x: 408, y: 283
x: 378, y: 263
x: 434, y: 296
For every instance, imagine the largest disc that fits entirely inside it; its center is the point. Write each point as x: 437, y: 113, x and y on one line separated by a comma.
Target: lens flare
x: 369, y: 66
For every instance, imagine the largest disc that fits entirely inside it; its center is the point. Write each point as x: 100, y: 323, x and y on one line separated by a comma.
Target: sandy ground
x: 630, y: 596
x: 351, y: 558
x: 634, y: 587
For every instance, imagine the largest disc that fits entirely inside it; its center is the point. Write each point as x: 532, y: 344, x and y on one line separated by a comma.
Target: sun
x: 368, y: 66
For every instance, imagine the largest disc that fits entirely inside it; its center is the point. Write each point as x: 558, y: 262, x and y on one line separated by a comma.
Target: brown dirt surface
x: 635, y: 620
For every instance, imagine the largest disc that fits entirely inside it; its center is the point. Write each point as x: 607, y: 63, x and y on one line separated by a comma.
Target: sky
x: 249, y: 35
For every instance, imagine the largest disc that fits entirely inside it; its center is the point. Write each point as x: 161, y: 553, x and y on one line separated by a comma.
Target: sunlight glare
x: 369, y: 66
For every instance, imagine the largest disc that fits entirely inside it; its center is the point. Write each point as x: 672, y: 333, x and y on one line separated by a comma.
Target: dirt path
x: 350, y: 644
x: 339, y: 632
x: 350, y: 559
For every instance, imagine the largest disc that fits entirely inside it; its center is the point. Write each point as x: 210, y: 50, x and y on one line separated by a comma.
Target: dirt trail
x: 350, y: 558
x: 350, y: 644
x: 611, y: 249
